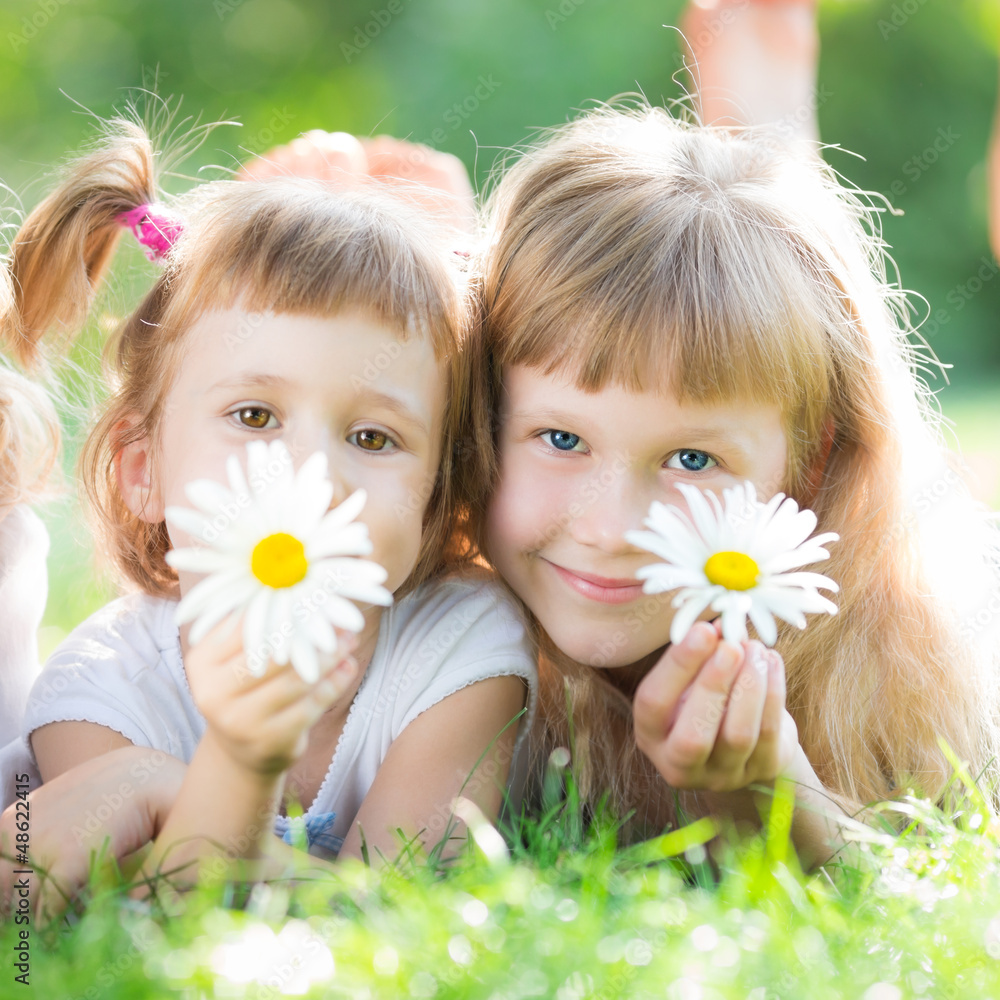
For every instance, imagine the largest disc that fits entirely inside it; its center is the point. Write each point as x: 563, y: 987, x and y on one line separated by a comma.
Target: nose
x: 611, y: 503
x: 309, y: 439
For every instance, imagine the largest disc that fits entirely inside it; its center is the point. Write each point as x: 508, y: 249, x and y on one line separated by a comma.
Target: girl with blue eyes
x: 333, y: 323
x: 663, y: 304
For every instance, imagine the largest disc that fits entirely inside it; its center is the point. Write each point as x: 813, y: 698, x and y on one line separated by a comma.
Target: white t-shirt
x: 24, y: 544
x: 122, y: 669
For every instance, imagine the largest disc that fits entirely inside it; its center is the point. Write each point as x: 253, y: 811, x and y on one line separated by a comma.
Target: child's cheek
x: 531, y: 507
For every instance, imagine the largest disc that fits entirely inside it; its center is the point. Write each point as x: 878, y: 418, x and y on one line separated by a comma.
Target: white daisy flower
x: 275, y: 553
x: 734, y: 557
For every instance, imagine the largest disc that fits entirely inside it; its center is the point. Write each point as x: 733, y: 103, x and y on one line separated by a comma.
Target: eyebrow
x: 397, y: 406
x: 383, y: 399
x: 242, y: 381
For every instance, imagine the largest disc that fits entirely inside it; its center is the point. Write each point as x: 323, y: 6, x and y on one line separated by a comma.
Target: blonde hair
x: 281, y: 246
x: 29, y: 429
x: 631, y: 248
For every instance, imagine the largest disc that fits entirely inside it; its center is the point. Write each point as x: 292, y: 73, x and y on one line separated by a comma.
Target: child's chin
x: 600, y: 648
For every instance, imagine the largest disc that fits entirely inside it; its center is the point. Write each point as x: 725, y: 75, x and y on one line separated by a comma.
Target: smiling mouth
x: 602, y: 589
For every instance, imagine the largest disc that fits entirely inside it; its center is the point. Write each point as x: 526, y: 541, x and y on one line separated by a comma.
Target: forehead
x: 346, y: 353
x: 237, y: 339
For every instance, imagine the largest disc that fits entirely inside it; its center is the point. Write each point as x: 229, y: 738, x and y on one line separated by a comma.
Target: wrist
x: 239, y: 773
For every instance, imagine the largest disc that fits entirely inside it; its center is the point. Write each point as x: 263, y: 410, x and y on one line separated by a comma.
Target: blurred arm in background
x: 436, y: 181
x: 754, y: 62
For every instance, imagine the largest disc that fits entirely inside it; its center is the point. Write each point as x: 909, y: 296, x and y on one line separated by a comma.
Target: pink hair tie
x: 155, y: 227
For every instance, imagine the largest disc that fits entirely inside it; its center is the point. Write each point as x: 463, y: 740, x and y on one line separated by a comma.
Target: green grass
x: 564, y: 914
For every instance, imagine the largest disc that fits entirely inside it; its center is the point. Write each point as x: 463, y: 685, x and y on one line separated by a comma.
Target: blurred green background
x: 908, y: 85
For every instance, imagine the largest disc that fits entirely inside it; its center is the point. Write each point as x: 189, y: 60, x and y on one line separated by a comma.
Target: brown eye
x: 255, y: 416
x: 372, y: 440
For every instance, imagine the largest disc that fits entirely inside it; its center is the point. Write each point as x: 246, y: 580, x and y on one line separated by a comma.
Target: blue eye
x: 562, y: 440
x: 691, y: 460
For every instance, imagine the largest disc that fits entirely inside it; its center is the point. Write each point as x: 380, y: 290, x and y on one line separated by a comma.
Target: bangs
x: 295, y: 247
x: 719, y: 306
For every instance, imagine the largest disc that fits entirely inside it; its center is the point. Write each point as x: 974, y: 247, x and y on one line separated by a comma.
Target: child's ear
x: 134, y: 475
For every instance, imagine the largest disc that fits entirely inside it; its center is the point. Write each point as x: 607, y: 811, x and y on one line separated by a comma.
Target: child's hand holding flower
x: 711, y: 714
x: 286, y: 569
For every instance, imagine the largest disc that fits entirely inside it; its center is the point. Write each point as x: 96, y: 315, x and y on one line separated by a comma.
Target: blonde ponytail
x: 65, y: 245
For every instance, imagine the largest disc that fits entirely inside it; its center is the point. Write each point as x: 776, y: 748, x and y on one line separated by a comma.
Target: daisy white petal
x: 197, y: 560
x: 347, y: 511
x: 734, y: 556
x: 191, y: 523
x: 207, y: 589
x: 764, y: 622
x: 342, y: 614
x: 209, y: 496
x: 785, y: 604
x: 337, y: 540
x: 808, y: 552
x: 304, y: 659
x: 734, y: 605
x: 702, y: 515
x: 255, y: 632
x: 237, y: 481
x: 803, y: 579
x: 320, y: 632
x: 808, y: 601
x: 661, y: 577
x: 688, y: 610
x: 279, y: 614
x: 283, y: 561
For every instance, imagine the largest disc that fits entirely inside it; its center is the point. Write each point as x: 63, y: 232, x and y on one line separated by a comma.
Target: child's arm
x: 711, y: 716
x: 435, y: 181
x: 428, y: 764
x: 754, y: 63
x: 257, y: 728
x: 130, y: 789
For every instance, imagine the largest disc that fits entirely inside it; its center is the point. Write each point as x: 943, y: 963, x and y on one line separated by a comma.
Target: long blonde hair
x: 282, y: 246
x: 29, y: 428
x: 635, y: 249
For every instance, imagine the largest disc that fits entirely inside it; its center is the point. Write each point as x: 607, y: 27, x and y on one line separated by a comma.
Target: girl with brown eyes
x: 333, y: 322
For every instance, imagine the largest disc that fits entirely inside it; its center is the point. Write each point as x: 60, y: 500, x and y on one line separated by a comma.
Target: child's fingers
x: 690, y: 742
x: 280, y: 689
x: 764, y: 763
x: 281, y: 733
x: 658, y: 695
x: 740, y: 731
x: 221, y: 642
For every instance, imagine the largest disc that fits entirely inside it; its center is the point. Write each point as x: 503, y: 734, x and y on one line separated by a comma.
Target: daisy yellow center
x: 732, y: 570
x: 279, y: 560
